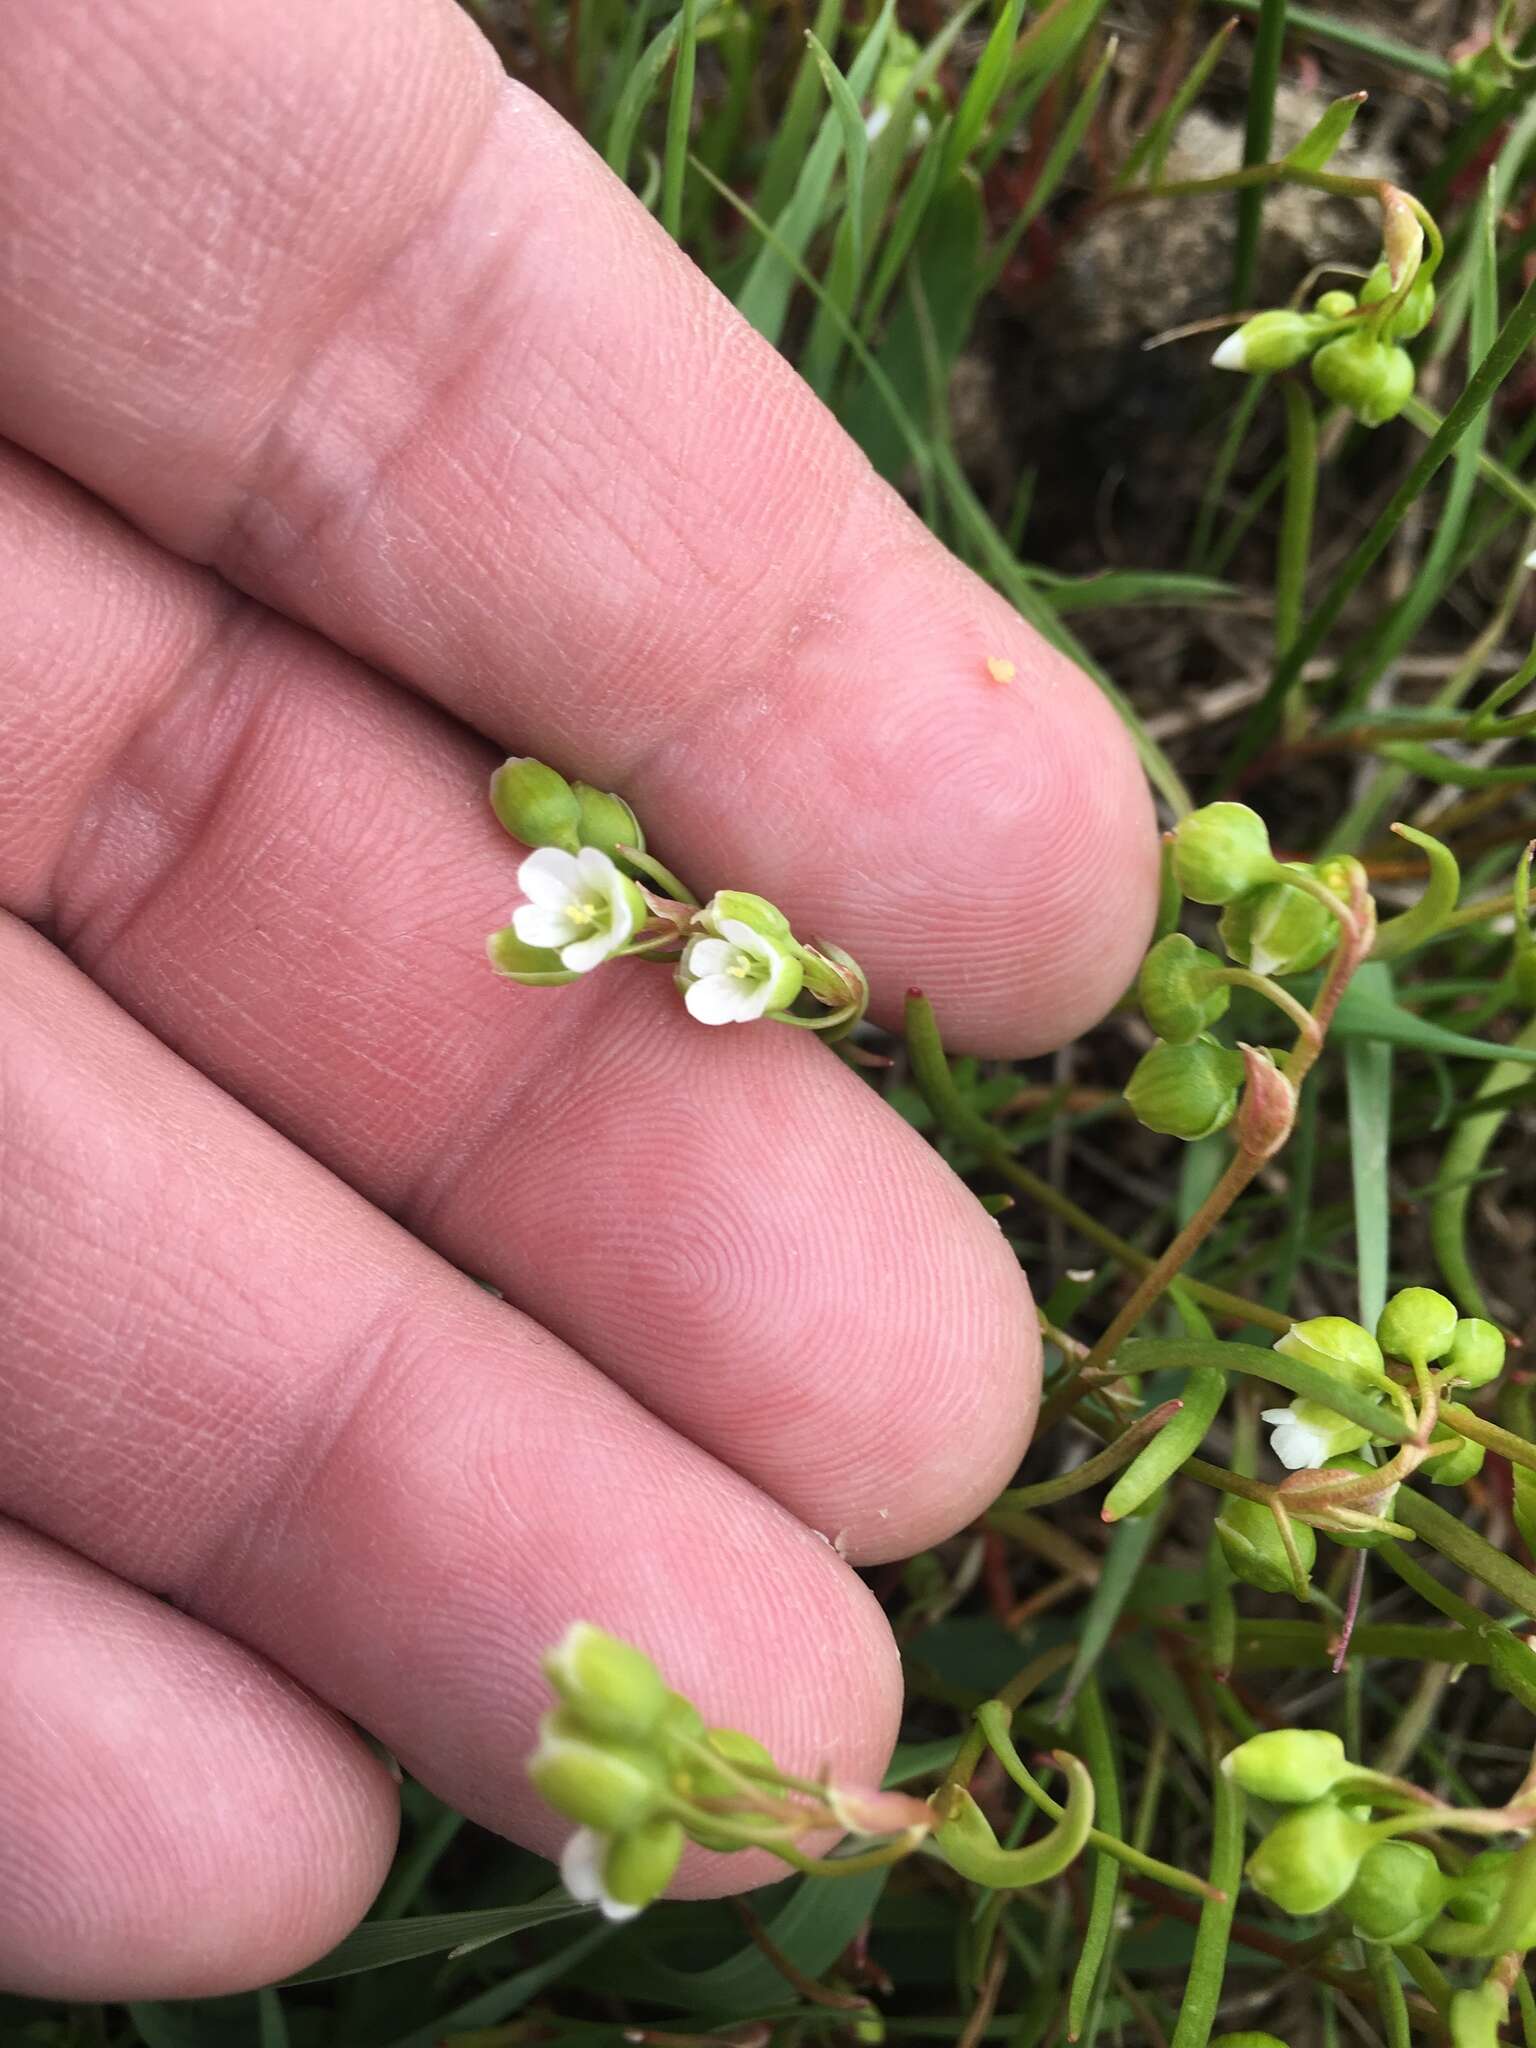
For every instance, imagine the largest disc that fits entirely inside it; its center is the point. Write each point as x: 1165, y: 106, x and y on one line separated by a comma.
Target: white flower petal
x: 1232, y: 354
x: 1277, y: 1415
x: 721, y: 999
x: 621, y: 909
x: 597, y: 870
x: 536, y: 924
x: 585, y: 954
x: 581, y: 1866
x: 745, y: 937
x: 549, y: 876
x: 708, y: 956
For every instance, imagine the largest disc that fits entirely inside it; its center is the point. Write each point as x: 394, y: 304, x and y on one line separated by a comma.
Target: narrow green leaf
x: 1324, y: 137
x: 855, y: 151
x: 1123, y: 1560
x: 1108, y: 589
x: 1208, y: 1966
x: 1417, y: 926
x: 1368, y: 1088
x: 1263, y: 79
x: 674, y: 165
x: 1154, y: 1354
x: 380, y: 1942
x: 792, y: 138
x: 271, y: 2020
x: 986, y: 86
x: 639, y: 88
x: 1363, y: 1014
x: 764, y: 296
x: 1053, y: 170
x: 1152, y: 148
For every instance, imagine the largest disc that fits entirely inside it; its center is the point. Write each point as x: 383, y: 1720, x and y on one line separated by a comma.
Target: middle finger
x: 285, y: 866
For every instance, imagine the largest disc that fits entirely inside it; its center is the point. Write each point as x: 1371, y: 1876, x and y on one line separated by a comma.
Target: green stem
x: 1467, y: 1422
x: 1459, y: 1167
x: 648, y: 864
x: 1514, y: 338
x: 1263, y: 77
x: 1349, y: 35
x: 1244, y: 977
x: 1296, y: 515
x: 1208, y: 1965
x: 1391, y: 2006
x: 1092, y: 1727
x: 1090, y: 1472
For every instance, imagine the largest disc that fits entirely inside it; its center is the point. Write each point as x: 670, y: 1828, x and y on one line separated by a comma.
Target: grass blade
x: 1262, y: 80
x: 1368, y: 1088
x: 679, y: 119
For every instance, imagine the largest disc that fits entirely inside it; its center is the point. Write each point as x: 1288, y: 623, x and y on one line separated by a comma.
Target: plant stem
x: 1202, y: 1990
x: 1296, y: 514
x: 1263, y: 77
x: 1388, y: 1986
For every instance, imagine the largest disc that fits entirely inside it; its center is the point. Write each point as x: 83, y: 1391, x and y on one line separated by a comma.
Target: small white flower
x: 739, y: 975
x: 1307, y: 1435
x: 1232, y: 354
x: 579, y: 906
x: 581, y: 1872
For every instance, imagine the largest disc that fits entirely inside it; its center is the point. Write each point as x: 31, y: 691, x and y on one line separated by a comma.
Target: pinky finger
x: 181, y: 1820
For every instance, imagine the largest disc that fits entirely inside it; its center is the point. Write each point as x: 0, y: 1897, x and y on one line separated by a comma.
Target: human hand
x: 363, y: 429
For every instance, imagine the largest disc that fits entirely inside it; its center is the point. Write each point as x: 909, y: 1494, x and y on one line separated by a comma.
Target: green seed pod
x: 1185, y: 1091
x: 1476, y: 1356
x: 606, y: 821
x: 1308, y: 1860
x: 1418, y: 1325
x: 1477, y: 1894
x: 609, y: 1687
x: 1221, y: 851
x: 1177, y: 995
x: 1376, y: 1504
x: 1250, y: 1540
x: 609, y: 1786
x: 640, y: 1863
x: 1457, y: 1466
x: 1336, y: 305
x: 1270, y: 341
x: 1398, y: 1890
x: 533, y: 966
x: 1335, y: 1345
x: 1278, y: 929
x: 1416, y: 311
x: 1371, y: 379
x: 1288, y: 1766
x: 535, y: 804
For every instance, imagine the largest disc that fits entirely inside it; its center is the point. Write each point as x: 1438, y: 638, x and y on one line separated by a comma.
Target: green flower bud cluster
x: 1355, y: 344
x: 634, y: 1766
x: 1275, y: 921
x: 1327, y: 1851
x: 736, y: 958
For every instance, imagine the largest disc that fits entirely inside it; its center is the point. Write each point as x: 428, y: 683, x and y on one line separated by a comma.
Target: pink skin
x: 310, y: 295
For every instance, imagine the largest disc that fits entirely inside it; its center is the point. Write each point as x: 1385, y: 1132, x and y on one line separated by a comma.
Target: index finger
x: 312, y: 294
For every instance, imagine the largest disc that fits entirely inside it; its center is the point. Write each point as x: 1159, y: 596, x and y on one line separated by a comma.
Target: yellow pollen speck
x: 1000, y: 668
x: 740, y: 968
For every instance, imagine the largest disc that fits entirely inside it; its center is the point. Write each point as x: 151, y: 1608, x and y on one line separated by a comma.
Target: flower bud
x: 609, y: 1786
x: 640, y: 1863
x: 1457, y: 1466
x: 1418, y: 1325
x: 1335, y: 1345
x: 605, y: 820
x: 1278, y: 929
x: 1251, y: 1543
x: 1372, y: 1504
x: 1477, y: 1894
x: 1266, y: 1116
x: 1335, y: 305
x: 1308, y: 1860
x: 609, y: 1687
x: 1416, y: 311
x: 1185, y: 1091
x: 743, y: 907
x: 1398, y: 1890
x: 516, y: 960
x: 535, y: 804
x: 1221, y: 851
x: 1177, y: 995
x: 1371, y: 379
x: 1476, y: 2017
x: 1476, y: 1356
x: 1270, y: 341
x: 1288, y: 1766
